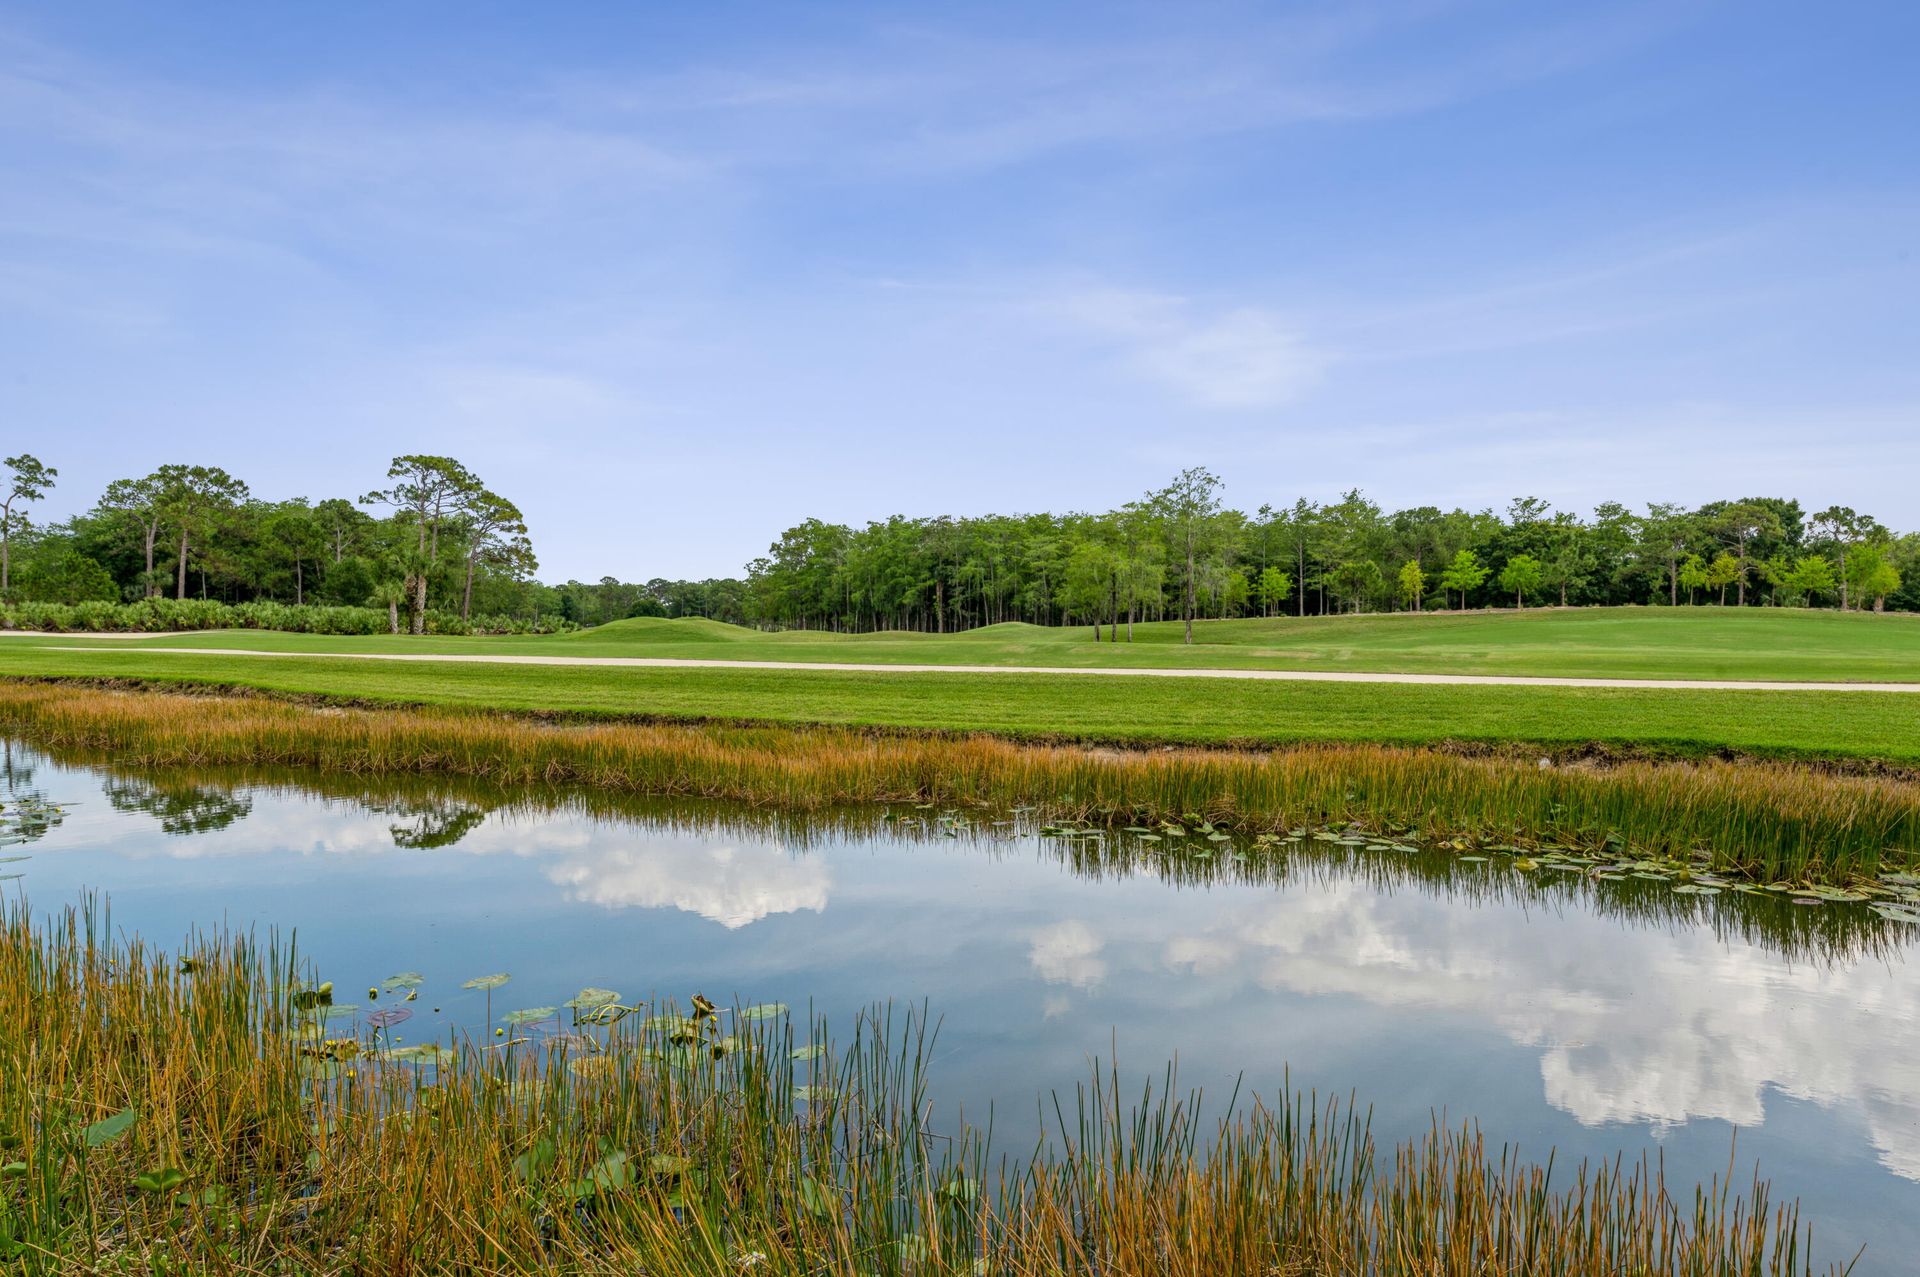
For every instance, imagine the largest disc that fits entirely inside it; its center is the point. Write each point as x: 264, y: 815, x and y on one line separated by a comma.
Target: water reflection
x: 757, y: 867
x: 1665, y: 1034
x: 1557, y: 1009
x: 427, y: 822
x: 181, y: 808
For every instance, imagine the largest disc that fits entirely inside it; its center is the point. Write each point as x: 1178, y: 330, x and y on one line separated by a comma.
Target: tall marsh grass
x: 181, y: 1114
x: 1775, y: 821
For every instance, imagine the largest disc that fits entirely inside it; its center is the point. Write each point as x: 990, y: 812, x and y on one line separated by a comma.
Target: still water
x: 1601, y: 1018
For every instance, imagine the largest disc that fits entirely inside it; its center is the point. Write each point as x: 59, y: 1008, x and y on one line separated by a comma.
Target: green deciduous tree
x: 1520, y: 574
x: 1693, y: 575
x: 1464, y: 574
x: 1412, y: 584
x: 1722, y: 572
x: 1272, y: 589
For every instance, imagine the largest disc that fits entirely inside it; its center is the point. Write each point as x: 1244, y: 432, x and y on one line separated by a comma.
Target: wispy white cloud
x: 1237, y: 357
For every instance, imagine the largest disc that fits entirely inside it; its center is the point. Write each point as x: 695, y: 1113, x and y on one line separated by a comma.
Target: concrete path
x: 1278, y: 676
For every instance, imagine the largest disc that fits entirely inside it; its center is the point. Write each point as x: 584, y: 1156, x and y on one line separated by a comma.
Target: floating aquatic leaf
x: 529, y: 1015
x: 404, y: 980
x: 1472, y: 860
x: 591, y: 997
x: 424, y: 1053
x: 959, y: 1190
x: 387, y: 1017
x: 531, y: 1164
x: 816, y: 1198
x: 307, y: 999
x: 109, y: 1129
x: 812, y: 1052
x: 487, y: 981
x: 161, y: 1180
x: 610, y: 1174
x: 1692, y: 889
x: 1898, y: 913
x: 764, y: 1011
x: 807, y: 1094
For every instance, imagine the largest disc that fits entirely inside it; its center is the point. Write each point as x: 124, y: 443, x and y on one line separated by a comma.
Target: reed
x: 1772, y: 821
x: 184, y: 1113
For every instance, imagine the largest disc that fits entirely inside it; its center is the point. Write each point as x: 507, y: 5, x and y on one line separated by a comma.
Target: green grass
x: 1840, y: 725
x: 1703, y: 642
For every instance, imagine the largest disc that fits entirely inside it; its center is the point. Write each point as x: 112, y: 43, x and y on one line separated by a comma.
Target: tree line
x: 1180, y: 553
x: 436, y: 540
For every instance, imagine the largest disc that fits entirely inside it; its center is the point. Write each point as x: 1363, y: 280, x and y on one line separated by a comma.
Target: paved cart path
x: 1277, y: 676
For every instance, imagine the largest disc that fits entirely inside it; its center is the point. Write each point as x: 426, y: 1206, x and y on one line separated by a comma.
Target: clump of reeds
x: 1770, y: 820
x: 192, y: 1114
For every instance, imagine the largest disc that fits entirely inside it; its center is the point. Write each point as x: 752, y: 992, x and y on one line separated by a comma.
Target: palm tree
x: 390, y: 595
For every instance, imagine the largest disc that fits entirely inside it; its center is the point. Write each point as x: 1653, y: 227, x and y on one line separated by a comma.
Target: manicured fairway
x: 1831, y: 724
x: 1705, y: 642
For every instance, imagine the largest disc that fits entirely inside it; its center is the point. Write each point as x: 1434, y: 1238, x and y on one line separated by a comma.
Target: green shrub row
x: 205, y: 614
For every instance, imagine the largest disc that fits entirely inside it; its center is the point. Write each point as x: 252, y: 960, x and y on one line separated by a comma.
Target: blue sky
x: 676, y: 276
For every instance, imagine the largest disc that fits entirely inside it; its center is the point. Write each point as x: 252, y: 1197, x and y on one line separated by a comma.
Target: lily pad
x: 404, y: 980
x: 387, y: 1017
x: 109, y: 1129
x: 764, y: 1011
x: 487, y: 981
x: 1692, y: 889
x: 591, y: 997
x: 529, y: 1015
x: 424, y: 1053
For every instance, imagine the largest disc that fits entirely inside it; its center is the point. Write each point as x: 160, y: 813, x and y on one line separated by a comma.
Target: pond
x: 1598, y: 1018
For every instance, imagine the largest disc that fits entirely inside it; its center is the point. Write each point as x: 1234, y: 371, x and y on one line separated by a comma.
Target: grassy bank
x: 207, y: 1112
x: 1770, y: 821
x: 1778, y: 644
x: 1874, y: 727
